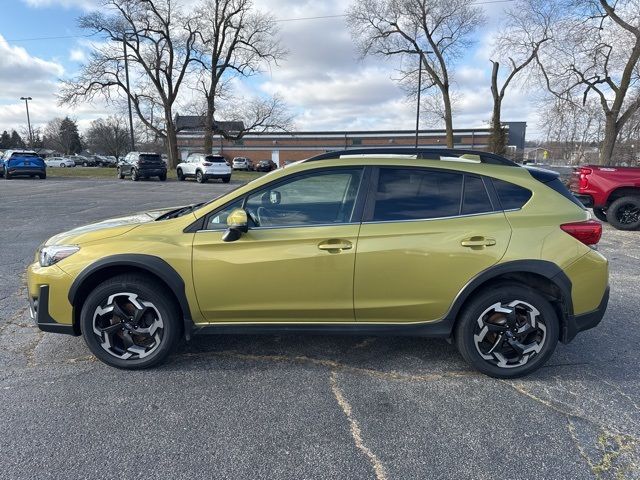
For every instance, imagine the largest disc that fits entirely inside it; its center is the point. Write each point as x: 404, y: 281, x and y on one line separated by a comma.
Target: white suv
x: 242, y: 163
x: 203, y: 167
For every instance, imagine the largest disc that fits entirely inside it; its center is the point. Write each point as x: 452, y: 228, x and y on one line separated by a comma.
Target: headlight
x: 54, y: 253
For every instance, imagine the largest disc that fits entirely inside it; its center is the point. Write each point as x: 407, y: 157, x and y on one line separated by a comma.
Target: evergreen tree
x: 16, y: 140
x: 70, y: 136
x: 5, y: 141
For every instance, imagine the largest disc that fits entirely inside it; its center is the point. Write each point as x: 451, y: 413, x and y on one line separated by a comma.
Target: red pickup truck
x: 612, y: 192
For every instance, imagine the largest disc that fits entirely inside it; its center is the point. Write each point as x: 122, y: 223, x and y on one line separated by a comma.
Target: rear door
x: 425, y: 234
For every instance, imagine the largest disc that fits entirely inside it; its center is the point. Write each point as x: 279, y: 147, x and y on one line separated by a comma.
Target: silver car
x: 59, y: 162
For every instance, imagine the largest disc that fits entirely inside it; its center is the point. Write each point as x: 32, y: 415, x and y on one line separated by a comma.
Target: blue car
x: 25, y: 163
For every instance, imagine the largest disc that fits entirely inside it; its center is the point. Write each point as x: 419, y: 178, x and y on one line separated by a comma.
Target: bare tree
x: 414, y: 28
x: 108, y: 136
x: 595, y: 53
x: 159, y: 40
x: 235, y: 40
x: 527, y: 28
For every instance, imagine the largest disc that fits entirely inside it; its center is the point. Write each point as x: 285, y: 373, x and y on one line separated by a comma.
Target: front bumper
x: 39, y: 310
x: 579, y: 323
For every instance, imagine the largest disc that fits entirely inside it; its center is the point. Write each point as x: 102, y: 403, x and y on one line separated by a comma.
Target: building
x: 291, y: 146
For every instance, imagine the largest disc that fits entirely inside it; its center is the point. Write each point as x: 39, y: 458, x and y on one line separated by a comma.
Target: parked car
x: 479, y: 250
x: 242, y: 163
x: 204, y: 167
x: 612, y: 192
x: 266, y: 166
x: 83, y: 161
x: 59, y: 162
x: 139, y: 165
x: 105, y: 161
x: 23, y: 163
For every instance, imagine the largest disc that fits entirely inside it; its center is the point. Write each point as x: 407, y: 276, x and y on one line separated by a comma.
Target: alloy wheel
x: 509, y: 335
x: 127, y: 326
x: 628, y: 214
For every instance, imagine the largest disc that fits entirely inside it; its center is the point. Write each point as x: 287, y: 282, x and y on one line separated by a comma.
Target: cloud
x: 84, y: 4
x: 77, y: 55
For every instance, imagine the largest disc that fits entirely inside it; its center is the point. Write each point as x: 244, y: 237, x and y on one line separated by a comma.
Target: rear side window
x: 411, y: 194
x: 476, y: 199
x: 511, y: 196
x: 560, y: 187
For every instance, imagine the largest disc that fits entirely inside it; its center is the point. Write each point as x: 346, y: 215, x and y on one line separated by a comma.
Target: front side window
x: 218, y: 220
x: 326, y: 197
x: 412, y: 194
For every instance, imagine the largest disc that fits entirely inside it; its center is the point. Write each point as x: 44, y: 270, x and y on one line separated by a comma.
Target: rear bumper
x: 151, y: 172
x: 26, y: 171
x: 39, y: 310
x: 215, y: 176
x: 586, y: 200
x: 579, y: 323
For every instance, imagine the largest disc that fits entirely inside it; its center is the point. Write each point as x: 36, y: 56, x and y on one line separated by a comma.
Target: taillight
x: 584, y: 181
x: 588, y: 232
x: 207, y: 164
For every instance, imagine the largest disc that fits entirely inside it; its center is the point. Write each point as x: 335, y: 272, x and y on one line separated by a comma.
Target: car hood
x: 111, y: 227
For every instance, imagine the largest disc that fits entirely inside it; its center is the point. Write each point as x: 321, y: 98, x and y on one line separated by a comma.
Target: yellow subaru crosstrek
x: 454, y: 244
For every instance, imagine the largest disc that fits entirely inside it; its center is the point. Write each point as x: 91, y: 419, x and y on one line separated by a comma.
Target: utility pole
x: 26, y: 102
x: 126, y: 74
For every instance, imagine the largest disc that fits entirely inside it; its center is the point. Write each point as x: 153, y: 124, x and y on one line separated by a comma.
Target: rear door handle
x: 335, y: 245
x: 478, y: 242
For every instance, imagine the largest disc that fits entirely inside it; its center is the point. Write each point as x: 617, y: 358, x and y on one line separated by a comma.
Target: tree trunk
x: 497, y: 138
x: 208, y: 127
x: 172, y: 143
x: 609, y: 141
x: 448, y: 120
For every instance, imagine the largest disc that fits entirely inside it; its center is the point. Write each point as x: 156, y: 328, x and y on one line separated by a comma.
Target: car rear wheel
x: 600, y: 214
x: 624, y: 213
x: 507, y: 331
x: 62, y: 165
x: 129, y: 321
x: 163, y: 177
x: 85, y: 164
x: 134, y: 175
x: 226, y: 179
x: 119, y: 173
x: 42, y: 176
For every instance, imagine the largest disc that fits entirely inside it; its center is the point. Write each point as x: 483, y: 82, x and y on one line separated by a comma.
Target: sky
x: 323, y: 80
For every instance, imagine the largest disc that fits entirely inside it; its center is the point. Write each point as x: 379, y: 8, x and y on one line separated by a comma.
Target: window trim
x: 356, y: 216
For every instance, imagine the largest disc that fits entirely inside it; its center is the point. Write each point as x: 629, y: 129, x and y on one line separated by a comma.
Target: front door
x: 295, y: 263
x: 425, y: 234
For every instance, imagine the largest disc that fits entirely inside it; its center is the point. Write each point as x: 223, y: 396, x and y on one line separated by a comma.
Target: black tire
x: 200, y: 177
x: 144, y: 289
x: 226, y: 179
x: 42, y: 176
x: 163, y: 177
x: 624, y: 213
x: 134, y: 175
x: 470, y: 339
x: 119, y: 174
x: 62, y: 165
x: 600, y: 214
x: 7, y: 176
x: 180, y: 175
x: 85, y: 164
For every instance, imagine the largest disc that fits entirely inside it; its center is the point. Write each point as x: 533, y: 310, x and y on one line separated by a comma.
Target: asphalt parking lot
x: 300, y: 407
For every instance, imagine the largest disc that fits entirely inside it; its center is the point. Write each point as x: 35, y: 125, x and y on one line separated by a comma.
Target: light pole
x: 26, y: 102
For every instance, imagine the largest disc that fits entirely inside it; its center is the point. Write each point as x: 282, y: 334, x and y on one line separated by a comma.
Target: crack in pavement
x: 354, y: 427
x: 611, y: 446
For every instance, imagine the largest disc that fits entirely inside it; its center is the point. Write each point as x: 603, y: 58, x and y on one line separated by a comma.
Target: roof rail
x: 421, y: 153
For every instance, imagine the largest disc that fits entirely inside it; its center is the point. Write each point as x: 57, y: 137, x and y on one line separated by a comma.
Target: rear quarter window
x: 512, y: 197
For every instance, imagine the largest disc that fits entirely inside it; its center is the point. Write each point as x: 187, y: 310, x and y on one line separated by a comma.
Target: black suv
x: 142, y: 165
x: 266, y: 166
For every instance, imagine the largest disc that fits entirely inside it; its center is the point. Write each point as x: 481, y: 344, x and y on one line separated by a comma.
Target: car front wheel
x: 200, y: 178
x: 130, y: 321
x: 180, y: 175
x: 507, y: 331
x: 134, y: 175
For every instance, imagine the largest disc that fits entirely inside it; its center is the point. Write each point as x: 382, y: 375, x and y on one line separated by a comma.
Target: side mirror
x: 238, y: 223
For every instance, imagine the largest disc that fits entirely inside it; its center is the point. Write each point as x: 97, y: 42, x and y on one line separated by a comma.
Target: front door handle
x: 335, y: 245
x: 478, y: 242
